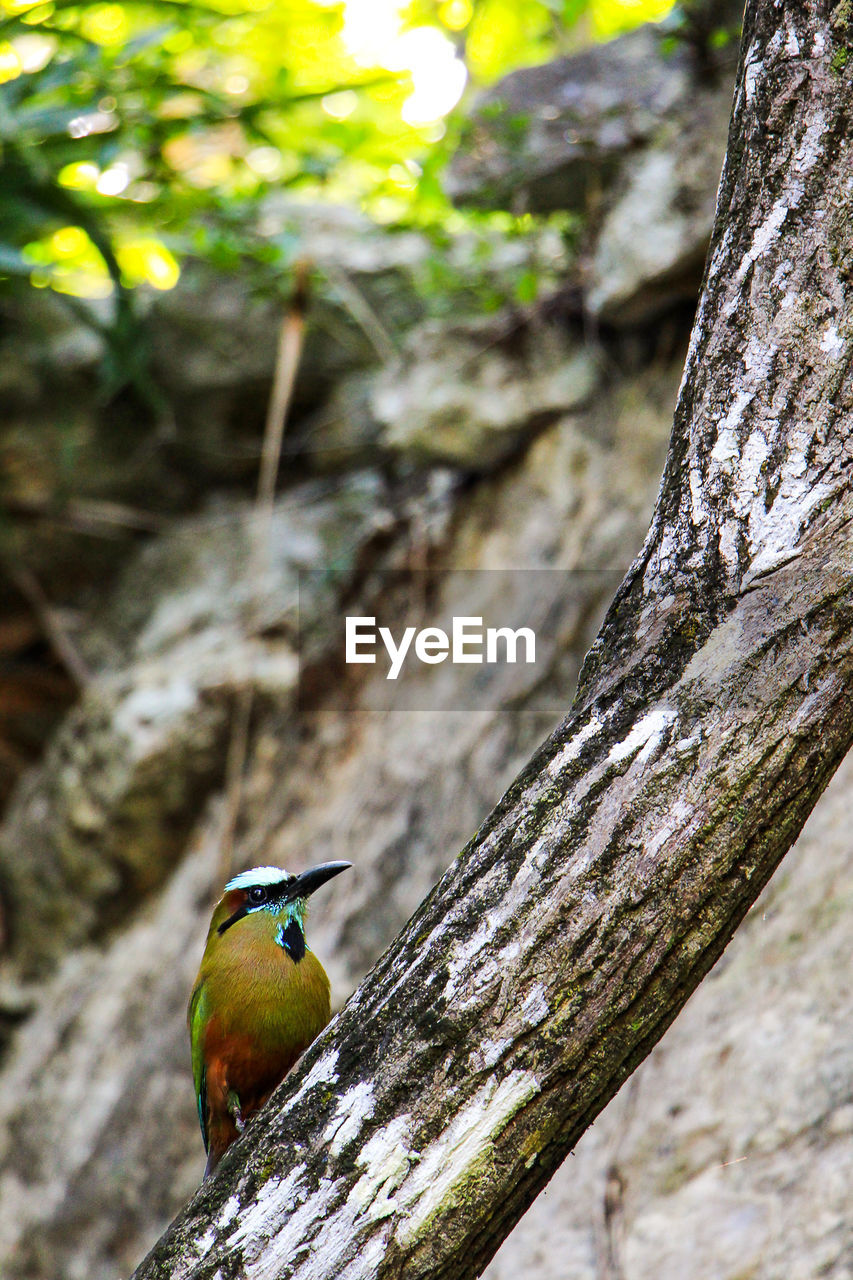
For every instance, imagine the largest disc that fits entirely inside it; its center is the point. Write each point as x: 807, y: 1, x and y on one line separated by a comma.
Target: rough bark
x: 711, y: 713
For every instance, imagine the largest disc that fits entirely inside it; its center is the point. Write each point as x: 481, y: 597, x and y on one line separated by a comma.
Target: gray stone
x: 469, y: 394
x: 650, y: 248
x: 631, y: 135
x: 547, y: 137
x: 200, y: 616
x: 99, y: 1140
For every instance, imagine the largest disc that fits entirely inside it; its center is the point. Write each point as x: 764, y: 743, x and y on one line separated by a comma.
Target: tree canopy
x: 136, y: 136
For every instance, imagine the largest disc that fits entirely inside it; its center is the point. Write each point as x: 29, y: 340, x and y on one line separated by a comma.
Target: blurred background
x: 310, y: 309
x: 164, y: 166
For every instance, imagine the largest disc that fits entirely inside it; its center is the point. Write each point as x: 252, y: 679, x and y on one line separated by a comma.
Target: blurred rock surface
x: 503, y: 382
x: 398, y: 791
x: 467, y: 444
x: 629, y: 135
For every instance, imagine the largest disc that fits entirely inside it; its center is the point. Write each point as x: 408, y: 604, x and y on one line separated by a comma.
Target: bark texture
x: 712, y: 711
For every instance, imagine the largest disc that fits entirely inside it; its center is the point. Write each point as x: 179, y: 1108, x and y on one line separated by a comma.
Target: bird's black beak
x: 303, y: 885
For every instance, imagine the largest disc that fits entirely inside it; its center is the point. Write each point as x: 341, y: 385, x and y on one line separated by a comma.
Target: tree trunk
x: 712, y: 710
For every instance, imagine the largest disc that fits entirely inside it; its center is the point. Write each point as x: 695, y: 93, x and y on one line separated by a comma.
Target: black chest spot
x: 292, y: 940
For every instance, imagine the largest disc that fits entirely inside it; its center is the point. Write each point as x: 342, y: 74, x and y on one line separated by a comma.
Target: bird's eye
x: 257, y: 894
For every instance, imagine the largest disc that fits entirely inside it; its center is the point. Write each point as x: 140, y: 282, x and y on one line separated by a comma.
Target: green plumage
x: 260, y: 998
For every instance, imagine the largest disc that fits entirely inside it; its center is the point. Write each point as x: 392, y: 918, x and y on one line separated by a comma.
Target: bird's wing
x: 197, y: 1018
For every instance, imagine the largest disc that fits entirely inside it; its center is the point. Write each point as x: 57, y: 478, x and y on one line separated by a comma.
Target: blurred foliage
x: 135, y: 135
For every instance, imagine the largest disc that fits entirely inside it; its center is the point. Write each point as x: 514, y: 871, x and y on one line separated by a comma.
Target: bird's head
x: 274, y: 890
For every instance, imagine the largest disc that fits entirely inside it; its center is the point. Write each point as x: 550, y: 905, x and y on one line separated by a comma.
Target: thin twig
x: 363, y: 313
x: 289, y: 352
x: 235, y: 762
x: 51, y: 623
x: 87, y: 514
x: 611, y: 1233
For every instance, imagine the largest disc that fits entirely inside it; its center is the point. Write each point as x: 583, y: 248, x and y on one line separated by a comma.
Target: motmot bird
x: 260, y: 998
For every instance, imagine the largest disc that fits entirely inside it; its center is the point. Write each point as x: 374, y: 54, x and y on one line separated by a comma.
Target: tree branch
x: 712, y: 710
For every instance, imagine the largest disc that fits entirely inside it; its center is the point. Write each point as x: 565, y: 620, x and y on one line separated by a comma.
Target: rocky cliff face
x: 515, y: 458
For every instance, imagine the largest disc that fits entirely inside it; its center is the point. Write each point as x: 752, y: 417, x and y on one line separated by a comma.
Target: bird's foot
x: 235, y: 1112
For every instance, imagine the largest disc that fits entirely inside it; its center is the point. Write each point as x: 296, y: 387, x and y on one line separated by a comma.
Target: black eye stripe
x: 239, y: 914
x: 257, y: 895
